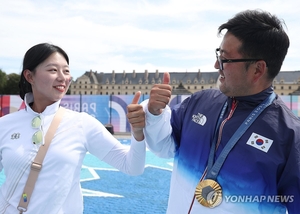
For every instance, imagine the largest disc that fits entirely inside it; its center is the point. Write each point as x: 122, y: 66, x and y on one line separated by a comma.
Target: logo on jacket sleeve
x: 260, y: 142
x: 199, y: 118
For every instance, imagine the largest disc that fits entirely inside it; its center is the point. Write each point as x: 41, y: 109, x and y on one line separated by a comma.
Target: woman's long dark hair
x: 33, y: 57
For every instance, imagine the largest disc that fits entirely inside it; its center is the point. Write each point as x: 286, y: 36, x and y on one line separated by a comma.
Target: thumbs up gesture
x: 160, y: 95
x: 136, y: 117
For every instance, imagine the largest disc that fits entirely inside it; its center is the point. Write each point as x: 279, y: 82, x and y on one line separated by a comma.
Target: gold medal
x: 209, y: 193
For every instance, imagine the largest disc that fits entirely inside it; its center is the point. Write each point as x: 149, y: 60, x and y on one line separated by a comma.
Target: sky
x: 127, y: 35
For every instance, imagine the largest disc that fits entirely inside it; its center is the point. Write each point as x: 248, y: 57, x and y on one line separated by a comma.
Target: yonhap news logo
x: 259, y: 198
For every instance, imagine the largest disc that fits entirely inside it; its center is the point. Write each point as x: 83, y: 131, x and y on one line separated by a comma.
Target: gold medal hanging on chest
x: 209, y: 193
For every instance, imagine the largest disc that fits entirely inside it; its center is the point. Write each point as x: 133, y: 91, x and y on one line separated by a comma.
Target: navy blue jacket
x: 264, y: 165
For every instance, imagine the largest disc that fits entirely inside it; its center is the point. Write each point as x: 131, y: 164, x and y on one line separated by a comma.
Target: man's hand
x: 136, y: 117
x: 160, y: 96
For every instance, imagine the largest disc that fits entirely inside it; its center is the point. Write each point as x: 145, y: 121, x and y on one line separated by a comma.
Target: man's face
x: 234, y: 78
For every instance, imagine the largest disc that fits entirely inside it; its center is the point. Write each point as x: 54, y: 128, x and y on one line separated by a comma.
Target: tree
x: 12, y: 84
x: 3, y: 80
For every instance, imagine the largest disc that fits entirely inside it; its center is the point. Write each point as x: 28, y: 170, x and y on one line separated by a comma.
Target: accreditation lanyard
x: 214, y: 169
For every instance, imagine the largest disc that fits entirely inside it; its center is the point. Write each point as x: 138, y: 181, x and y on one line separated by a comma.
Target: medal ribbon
x: 214, y: 169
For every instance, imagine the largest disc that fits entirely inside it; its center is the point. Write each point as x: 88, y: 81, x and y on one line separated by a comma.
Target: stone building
x: 92, y: 82
x: 287, y: 82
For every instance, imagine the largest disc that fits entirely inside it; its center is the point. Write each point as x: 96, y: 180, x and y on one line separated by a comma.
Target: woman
x: 44, y: 81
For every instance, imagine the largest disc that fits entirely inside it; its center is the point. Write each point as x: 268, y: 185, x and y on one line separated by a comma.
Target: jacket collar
x: 252, y: 100
x: 51, y: 109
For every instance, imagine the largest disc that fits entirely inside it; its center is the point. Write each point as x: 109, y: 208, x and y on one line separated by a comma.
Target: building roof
x: 180, y: 89
x: 288, y: 76
x: 175, y: 77
x: 149, y: 78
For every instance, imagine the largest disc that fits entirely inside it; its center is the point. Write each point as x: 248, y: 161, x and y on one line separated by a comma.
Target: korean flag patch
x: 260, y: 142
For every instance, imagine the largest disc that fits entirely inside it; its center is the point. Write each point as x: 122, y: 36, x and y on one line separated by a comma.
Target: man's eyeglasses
x: 37, y: 137
x: 221, y: 61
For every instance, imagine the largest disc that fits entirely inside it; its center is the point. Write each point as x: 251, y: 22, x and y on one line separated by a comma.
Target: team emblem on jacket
x: 199, y: 119
x: 260, y: 142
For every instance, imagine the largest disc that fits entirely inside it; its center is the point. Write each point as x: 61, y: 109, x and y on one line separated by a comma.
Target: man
x: 237, y: 149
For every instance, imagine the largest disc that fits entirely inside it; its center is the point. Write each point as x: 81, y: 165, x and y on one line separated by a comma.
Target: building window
x: 118, y: 93
x: 202, y: 87
x: 126, y: 87
x: 118, y: 87
x: 106, y: 87
x: 91, y: 92
x: 282, y: 87
x: 195, y: 87
x: 133, y: 87
x: 126, y: 93
x: 290, y: 87
x: 106, y: 93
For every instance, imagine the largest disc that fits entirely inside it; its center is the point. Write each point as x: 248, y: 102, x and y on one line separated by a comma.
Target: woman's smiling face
x: 50, y: 81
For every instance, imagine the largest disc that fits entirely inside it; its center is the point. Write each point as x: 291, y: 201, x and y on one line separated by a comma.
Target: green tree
x: 12, y: 84
x: 3, y: 80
